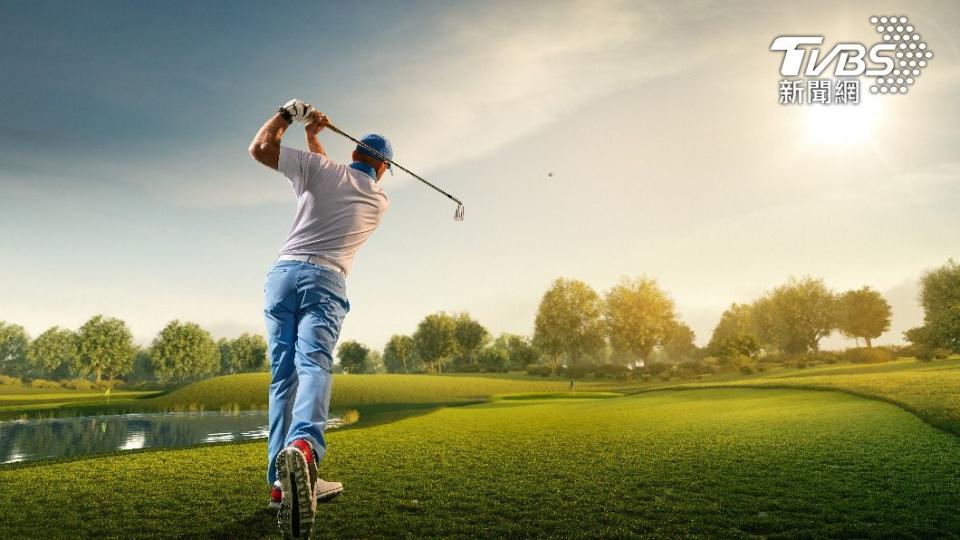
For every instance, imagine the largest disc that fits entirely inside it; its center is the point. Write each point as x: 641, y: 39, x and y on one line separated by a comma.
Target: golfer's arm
x: 265, y: 147
x: 313, y: 143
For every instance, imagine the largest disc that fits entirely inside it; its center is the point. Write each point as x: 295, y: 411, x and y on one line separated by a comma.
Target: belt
x: 314, y: 260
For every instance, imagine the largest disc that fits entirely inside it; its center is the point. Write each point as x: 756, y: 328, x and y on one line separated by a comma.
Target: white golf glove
x: 299, y: 111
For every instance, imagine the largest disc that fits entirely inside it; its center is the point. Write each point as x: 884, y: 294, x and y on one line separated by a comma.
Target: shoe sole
x: 324, y: 497
x: 295, y: 517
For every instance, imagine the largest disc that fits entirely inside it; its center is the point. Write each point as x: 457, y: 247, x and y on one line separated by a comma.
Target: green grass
x: 710, y: 463
x: 931, y: 390
x: 362, y: 392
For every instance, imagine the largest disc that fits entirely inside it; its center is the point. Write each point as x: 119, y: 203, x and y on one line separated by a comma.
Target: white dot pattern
x: 911, y: 54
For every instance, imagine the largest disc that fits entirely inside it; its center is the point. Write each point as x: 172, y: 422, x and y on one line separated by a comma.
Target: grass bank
x: 931, y: 390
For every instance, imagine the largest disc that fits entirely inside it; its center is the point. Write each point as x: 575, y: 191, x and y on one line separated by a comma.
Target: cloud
x: 501, y: 75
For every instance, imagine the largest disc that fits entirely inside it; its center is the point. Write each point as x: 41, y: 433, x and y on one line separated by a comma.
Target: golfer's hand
x: 316, y: 121
x: 299, y: 111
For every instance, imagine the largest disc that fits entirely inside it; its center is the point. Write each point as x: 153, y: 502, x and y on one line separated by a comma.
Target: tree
x: 435, y: 340
x: 471, y: 336
x: 106, y: 347
x: 863, y: 313
x: 794, y: 317
x: 678, y: 342
x: 14, y: 343
x: 399, y: 354
x: 735, y: 334
x: 940, y: 297
x: 494, y: 359
x: 184, y: 352
x: 244, y: 354
x: 374, y: 363
x: 54, y: 354
x: 569, y: 322
x: 638, y: 316
x: 142, y: 367
x: 519, y: 350
x: 353, y: 356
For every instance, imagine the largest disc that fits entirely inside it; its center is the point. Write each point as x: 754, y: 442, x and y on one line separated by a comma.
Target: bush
x: 43, y: 383
x: 874, y: 355
x: 6, y: 379
x: 829, y: 357
x: 612, y: 371
x: 575, y: 372
x: 692, y: 368
x: 542, y: 370
x: 656, y: 368
x: 746, y: 370
x: 941, y: 354
x: 78, y: 384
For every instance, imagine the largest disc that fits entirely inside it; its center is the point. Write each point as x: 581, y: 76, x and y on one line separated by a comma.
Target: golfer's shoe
x: 324, y: 491
x: 297, y: 471
x: 327, y: 490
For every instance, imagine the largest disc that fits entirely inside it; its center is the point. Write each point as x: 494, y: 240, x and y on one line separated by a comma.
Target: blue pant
x: 304, y: 306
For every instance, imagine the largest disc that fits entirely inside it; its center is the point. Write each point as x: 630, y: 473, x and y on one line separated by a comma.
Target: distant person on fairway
x: 338, y: 208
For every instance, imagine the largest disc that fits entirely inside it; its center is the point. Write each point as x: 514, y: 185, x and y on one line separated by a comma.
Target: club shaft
x: 335, y: 129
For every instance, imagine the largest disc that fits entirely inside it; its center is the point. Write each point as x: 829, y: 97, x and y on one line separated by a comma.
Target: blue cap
x: 378, y: 143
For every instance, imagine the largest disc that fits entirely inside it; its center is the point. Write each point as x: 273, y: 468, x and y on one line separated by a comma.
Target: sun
x: 843, y: 125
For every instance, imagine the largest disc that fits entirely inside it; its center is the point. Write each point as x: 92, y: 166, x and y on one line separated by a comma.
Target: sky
x: 588, y: 140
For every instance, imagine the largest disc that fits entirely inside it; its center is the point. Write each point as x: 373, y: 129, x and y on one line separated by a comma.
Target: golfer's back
x: 338, y: 207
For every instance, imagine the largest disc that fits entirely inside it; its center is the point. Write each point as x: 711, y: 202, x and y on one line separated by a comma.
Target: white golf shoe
x: 324, y: 491
x: 327, y: 490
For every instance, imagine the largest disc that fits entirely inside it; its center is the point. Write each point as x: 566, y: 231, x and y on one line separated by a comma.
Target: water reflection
x: 28, y: 440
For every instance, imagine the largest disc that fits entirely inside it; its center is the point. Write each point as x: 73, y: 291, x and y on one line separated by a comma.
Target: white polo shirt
x: 338, y: 207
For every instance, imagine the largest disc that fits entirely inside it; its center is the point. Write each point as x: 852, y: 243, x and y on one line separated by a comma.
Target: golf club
x: 457, y: 215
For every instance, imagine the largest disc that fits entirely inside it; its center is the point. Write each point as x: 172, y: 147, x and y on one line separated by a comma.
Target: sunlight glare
x: 843, y: 125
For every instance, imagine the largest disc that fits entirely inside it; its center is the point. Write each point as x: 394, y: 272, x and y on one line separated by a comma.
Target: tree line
x: 102, y: 351
x: 576, y: 329
x: 441, y: 343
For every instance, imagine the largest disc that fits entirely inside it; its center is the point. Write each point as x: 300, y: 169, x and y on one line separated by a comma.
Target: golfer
x: 305, y: 300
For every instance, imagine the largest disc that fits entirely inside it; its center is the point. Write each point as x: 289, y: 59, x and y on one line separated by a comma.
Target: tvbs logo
x: 894, y: 63
x: 850, y: 57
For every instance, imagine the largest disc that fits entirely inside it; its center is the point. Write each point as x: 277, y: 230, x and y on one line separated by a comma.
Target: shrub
x: 542, y: 370
x: 829, y: 357
x: 692, y: 368
x: 6, y: 379
x: 469, y: 368
x: 78, y: 384
x: 43, y: 383
x: 577, y: 372
x: 656, y: 368
x: 941, y: 354
x: 868, y: 356
x: 746, y: 370
x: 612, y: 371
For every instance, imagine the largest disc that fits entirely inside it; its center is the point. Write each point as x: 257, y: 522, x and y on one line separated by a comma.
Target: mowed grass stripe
x: 730, y: 463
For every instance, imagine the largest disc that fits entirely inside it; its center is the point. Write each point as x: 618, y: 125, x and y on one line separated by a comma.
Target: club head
x: 458, y: 214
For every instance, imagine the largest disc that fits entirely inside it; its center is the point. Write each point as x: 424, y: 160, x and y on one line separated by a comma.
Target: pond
x: 33, y: 439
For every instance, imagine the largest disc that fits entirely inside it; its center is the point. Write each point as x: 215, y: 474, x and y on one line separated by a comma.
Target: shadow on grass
x: 256, y: 525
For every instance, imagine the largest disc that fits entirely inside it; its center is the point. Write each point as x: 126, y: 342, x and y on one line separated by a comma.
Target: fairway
x: 716, y: 462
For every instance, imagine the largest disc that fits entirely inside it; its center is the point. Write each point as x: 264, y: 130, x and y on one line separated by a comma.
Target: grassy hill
x: 931, y: 390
